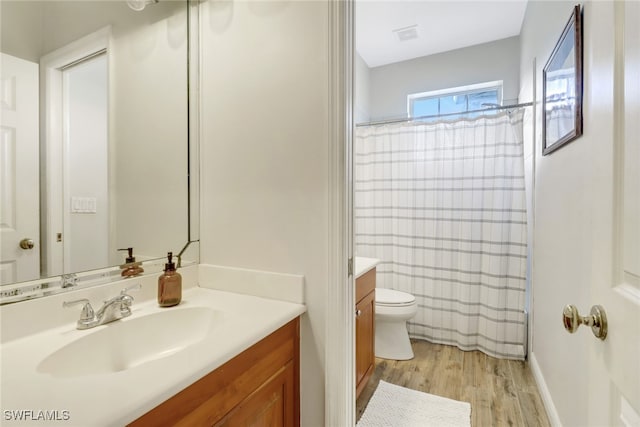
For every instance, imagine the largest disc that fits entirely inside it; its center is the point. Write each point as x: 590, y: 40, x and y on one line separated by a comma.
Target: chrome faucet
x: 112, y: 309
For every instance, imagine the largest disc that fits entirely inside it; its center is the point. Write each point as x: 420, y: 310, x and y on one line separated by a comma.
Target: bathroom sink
x: 132, y: 342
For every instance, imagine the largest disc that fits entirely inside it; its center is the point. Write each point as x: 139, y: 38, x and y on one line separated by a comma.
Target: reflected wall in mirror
x: 94, y: 96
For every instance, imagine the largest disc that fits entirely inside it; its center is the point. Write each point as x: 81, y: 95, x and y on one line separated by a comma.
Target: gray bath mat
x: 396, y: 406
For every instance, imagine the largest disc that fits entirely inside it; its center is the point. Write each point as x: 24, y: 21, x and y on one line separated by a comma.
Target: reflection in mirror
x: 94, y: 96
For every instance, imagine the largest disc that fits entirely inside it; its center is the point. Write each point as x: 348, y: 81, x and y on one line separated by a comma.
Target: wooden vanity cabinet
x: 259, y: 387
x: 365, y: 328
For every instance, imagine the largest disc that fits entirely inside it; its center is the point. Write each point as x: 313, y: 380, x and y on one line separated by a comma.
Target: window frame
x: 454, y: 91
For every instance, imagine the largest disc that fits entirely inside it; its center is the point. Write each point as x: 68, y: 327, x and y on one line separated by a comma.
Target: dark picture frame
x: 562, y: 88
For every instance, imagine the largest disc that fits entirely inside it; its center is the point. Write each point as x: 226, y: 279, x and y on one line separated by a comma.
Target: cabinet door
x: 365, y: 333
x: 271, y: 405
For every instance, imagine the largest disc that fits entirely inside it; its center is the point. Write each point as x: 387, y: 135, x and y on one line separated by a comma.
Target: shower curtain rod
x: 503, y: 107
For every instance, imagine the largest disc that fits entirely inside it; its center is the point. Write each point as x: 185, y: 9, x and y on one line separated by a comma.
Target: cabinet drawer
x: 365, y: 284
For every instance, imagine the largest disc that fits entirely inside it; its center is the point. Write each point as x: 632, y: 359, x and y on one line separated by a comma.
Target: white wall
x: 149, y: 128
x: 361, y: 82
x: 390, y: 84
x: 21, y: 23
x: 264, y: 155
x: 563, y: 237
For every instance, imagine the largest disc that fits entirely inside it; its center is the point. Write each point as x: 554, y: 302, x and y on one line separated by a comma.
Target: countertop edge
x: 364, y: 265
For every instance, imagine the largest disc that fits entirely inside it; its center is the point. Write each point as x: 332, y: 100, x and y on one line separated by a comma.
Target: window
x: 455, y: 100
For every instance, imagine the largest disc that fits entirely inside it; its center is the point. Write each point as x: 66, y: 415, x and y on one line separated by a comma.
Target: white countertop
x: 362, y: 265
x: 115, y: 399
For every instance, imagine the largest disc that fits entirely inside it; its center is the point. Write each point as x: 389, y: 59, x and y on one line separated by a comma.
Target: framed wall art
x: 562, y: 88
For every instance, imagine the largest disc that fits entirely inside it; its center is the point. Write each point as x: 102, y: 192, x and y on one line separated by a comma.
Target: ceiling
x: 439, y: 25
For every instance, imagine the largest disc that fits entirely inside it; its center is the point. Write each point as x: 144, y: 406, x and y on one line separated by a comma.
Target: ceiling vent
x: 406, y: 33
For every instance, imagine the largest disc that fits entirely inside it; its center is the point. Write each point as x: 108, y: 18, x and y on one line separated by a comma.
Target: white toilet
x: 393, y: 309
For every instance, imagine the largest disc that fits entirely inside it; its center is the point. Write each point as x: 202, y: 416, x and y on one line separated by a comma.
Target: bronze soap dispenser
x: 169, y: 285
x: 130, y: 268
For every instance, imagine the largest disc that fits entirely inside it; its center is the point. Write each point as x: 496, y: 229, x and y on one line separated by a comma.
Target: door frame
x: 340, y: 303
x: 52, y: 176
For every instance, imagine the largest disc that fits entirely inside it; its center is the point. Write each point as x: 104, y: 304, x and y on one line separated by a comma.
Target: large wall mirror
x: 94, y: 140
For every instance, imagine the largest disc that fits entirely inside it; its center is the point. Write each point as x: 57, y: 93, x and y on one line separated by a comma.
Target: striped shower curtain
x: 442, y: 205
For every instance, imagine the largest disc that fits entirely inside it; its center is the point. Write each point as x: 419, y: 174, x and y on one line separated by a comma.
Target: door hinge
x: 350, y: 267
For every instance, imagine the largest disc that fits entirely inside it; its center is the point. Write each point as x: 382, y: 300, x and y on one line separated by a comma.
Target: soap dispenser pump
x: 130, y: 268
x: 169, y: 285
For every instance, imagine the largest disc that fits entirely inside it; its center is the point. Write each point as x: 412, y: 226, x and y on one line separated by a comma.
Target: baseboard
x: 552, y: 413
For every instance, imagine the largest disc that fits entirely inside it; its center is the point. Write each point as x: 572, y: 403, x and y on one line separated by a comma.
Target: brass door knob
x: 27, y: 243
x: 597, y: 320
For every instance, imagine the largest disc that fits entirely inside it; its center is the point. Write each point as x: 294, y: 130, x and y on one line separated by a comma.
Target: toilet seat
x: 392, y: 298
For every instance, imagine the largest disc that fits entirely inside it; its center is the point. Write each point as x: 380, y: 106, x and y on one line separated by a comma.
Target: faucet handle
x: 87, y: 315
x: 128, y: 299
x: 87, y: 311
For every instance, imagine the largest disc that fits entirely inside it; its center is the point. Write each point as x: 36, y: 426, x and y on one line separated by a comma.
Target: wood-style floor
x: 501, y: 392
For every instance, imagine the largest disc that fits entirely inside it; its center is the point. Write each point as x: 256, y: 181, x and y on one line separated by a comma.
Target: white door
x: 19, y: 170
x: 614, y: 364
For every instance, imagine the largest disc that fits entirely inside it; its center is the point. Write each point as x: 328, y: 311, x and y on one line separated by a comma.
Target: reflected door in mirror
x: 86, y: 157
x: 19, y: 165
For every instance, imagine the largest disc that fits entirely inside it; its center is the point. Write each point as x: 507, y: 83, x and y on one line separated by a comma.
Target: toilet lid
x: 393, y: 297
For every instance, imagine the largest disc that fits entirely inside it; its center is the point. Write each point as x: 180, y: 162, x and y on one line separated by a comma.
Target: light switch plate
x: 85, y: 205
